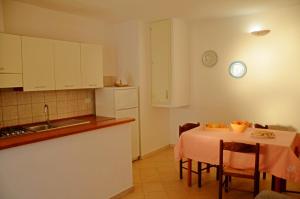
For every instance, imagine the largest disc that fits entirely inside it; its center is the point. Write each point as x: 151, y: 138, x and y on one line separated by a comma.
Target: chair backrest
x: 241, y: 148
x: 259, y: 126
x: 187, y: 126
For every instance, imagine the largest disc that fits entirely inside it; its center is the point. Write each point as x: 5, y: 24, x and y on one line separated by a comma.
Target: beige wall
x: 27, y: 107
x: 25, y: 19
x: 154, y: 121
x: 269, y: 93
x: 1, y: 17
x: 128, y: 51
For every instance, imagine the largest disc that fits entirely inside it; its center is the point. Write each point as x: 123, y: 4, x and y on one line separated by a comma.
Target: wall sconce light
x: 260, y: 32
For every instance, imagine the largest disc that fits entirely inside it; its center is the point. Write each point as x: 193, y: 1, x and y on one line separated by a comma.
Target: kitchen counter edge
x: 95, y: 123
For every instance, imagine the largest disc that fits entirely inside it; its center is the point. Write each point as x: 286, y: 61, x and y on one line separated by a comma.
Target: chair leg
x: 264, y: 175
x: 180, y: 169
x: 220, y: 184
x: 189, y: 173
x: 217, y: 173
x: 226, y: 184
x: 256, y: 184
x: 208, y: 168
x: 199, y: 174
x: 282, y: 185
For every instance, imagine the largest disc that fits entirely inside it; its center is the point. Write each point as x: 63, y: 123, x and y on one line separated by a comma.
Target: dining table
x: 277, y: 153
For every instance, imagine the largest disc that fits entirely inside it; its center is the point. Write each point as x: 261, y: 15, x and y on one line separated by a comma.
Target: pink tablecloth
x: 277, y: 155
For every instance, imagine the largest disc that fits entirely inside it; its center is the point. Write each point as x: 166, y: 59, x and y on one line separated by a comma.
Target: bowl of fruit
x: 239, y: 125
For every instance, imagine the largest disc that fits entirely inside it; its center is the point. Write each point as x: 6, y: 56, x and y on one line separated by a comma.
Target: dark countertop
x: 95, y: 123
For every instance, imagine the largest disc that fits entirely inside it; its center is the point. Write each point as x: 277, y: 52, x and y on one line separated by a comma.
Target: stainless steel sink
x: 41, y: 127
x: 56, y: 125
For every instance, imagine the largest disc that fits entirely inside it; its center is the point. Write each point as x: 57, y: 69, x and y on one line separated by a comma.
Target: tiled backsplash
x: 27, y: 107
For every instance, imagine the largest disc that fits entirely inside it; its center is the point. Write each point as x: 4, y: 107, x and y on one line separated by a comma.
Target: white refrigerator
x: 120, y: 102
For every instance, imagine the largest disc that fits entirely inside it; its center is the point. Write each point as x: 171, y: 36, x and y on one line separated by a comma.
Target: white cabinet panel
x: 161, y: 61
x: 10, y: 80
x: 126, y: 98
x: 38, y: 64
x: 170, y: 63
x: 119, y: 103
x: 67, y: 65
x: 10, y: 53
x: 91, y: 66
x: 132, y: 113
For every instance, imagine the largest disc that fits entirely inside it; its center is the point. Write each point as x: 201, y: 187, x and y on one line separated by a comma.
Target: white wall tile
x: 9, y: 98
x: 37, y: 97
x: 10, y: 113
x: 24, y: 111
x: 50, y: 96
x: 24, y: 97
x: 27, y: 107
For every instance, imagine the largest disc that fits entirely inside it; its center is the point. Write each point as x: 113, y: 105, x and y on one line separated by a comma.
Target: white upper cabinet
x: 43, y: 64
x: 170, y: 66
x: 67, y: 65
x: 38, y: 64
x: 10, y: 53
x: 91, y: 66
x: 10, y: 61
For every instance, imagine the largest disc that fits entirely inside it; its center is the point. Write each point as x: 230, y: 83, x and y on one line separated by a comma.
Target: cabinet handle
x: 69, y: 86
x: 2, y: 68
x: 167, y: 94
x: 40, y: 87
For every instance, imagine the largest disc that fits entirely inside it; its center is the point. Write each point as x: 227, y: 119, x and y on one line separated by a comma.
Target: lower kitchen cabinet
x: 94, y: 164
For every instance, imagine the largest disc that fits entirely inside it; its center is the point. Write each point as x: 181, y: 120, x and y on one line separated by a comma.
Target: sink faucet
x: 46, y: 111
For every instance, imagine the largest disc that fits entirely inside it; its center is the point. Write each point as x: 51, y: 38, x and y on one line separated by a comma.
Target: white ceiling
x: 121, y: 10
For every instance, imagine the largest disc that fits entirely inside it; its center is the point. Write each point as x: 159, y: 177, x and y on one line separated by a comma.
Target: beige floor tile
x: 158, y: 177
x: 138, y: 188
x: 156, y: 195
x: 134, y: 195
x: 152, y: 187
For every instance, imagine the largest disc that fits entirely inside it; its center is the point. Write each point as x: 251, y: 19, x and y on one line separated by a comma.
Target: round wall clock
x: 209, y: 58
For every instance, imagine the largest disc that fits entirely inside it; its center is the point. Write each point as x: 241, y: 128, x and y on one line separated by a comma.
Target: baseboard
x: 155, y: 151
x: 123, y: 193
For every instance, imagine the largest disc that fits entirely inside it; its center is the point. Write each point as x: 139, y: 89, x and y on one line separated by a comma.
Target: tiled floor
x: 157, y: 177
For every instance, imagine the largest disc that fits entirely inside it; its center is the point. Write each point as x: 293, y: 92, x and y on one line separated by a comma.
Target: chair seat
x: 244, y: 173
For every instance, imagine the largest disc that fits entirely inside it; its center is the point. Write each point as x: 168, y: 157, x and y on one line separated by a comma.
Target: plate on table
x: 263, y: 134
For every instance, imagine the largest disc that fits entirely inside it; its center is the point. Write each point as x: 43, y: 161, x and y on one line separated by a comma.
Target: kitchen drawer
x: 126, y: 98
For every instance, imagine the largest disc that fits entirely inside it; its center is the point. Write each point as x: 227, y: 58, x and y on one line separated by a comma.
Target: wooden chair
x: 259, y: 126
x: 183, y: 128
x: 228, y: 171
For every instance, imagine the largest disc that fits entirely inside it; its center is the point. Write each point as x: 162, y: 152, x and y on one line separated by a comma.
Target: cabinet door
x: 160, y: 33
x: 10, y: 53
x: 126, y: 98
x: 92, y: 66
x: 67, y: 65
x: 38, y: 67
x: 135, y: 136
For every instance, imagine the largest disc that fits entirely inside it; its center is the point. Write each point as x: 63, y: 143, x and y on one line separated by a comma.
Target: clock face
x: 209, y: 58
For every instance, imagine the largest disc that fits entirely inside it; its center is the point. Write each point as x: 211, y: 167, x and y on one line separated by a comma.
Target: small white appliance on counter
x: 120, y: 102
